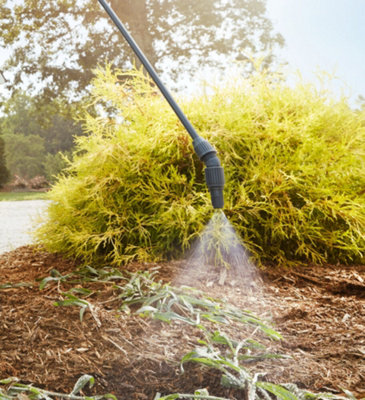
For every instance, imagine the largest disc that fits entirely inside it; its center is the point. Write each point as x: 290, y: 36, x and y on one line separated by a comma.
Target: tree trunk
x: 134, y: 14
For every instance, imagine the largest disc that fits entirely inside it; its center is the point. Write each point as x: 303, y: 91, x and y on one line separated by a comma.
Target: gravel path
x: 17, y: 220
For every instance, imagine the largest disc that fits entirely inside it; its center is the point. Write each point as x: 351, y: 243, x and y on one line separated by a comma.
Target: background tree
x: 34, y: 135
x: 4, y: 172
x: 57, y: 43
x: 24, y: 155
x: 54, y: 164
x: 20, y: 116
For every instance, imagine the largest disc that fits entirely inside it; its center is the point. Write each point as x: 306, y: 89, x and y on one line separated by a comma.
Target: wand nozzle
x: 214, y: 173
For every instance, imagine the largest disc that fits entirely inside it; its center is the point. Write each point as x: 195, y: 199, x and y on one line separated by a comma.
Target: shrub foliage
x: 293, y: 159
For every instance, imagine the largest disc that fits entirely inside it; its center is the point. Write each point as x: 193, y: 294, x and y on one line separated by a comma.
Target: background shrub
x: 293, y: 158
x: 24, y: 154
x: 54, y: 164
x: 4, y: 172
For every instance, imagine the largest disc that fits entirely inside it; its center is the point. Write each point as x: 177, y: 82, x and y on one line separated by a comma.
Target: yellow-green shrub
x: 293, y: 159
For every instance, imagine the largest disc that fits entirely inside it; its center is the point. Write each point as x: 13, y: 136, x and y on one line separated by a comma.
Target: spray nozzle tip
x: 217, y: 198
x: 214, y: 177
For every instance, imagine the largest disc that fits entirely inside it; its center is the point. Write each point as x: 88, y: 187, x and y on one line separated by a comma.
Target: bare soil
x: 320, y: 311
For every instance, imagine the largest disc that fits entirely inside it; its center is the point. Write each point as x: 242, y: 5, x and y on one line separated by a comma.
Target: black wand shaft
x: 214, y: 174
x: 149, y: 68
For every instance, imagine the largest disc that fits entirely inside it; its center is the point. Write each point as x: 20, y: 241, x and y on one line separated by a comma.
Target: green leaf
x: 82, y: 312
x: 222, y: 338
x: 260, y: 357
x: 8, y: 381
x: 16, y: 285
x: 109, y: 396
x: 231, y: 381
x: 44, y: 282
x: 349, y: 394
x: 146, y: 310
x: 82, y: 291
x: 168, y: 397
x: 82, y: 382
x: 201, y: 392
x: 277, y: 390
x: 215, y: 318
x: 4, y: 396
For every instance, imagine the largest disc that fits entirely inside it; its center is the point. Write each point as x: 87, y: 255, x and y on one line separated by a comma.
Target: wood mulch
x: 319, y: 310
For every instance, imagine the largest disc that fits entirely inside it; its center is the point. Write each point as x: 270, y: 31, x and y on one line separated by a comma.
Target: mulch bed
x: 319, y: 310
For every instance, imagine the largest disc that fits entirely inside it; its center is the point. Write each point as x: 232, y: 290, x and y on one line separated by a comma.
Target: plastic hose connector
x: 214, y: 173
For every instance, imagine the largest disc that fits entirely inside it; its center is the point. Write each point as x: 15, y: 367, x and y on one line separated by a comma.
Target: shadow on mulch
x: 320, y: 312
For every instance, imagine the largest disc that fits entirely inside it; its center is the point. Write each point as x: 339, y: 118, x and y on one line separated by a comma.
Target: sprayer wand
x: 214, y: 174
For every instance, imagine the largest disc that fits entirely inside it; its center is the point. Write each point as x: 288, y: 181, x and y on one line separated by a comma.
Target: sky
x: 324, y: 34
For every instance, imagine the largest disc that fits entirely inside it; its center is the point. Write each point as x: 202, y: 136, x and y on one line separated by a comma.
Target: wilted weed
x: 216, y: 349
x: 12, y: 389
x: 72, y: 300
x: 155, y: 299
